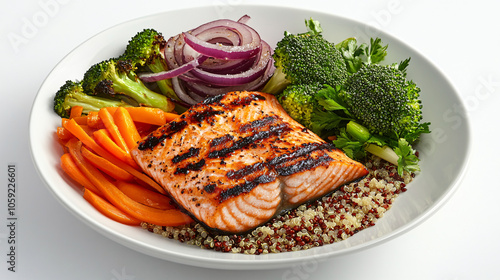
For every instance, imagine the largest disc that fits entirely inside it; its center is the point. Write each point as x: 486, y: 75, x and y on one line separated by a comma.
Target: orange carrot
x: 106, y: 166
x: 109, y: 210
x: 81, y: 119
x: 147, y: 115
x: 170, y: 116
x: 104, y: 140
x: 145, y: 196
x: 150, y: 115
x: 76, y: 111
x: 79, y: 133
x: 169, y: 217
x: 127, y: 128
x: 70, y: 168
x: 109, y: 123
x: 94, y: 121
x: 63, y: 134
x: 144, y: 128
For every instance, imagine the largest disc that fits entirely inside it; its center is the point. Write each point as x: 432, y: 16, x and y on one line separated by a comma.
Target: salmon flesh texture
x: 236, y: 160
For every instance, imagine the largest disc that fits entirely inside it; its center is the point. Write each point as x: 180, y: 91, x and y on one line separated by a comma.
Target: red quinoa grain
x: 330, y: 219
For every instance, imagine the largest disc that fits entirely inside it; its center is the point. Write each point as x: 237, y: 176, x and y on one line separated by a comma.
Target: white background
x: 460, y: 241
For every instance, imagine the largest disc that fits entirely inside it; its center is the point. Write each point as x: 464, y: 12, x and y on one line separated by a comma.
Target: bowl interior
x: 444, y: 152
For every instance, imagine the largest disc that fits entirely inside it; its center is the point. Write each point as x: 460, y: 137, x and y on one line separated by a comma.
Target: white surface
x: 458, y: 242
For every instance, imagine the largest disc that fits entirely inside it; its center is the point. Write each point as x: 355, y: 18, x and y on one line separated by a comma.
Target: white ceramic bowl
x: 444, y: 153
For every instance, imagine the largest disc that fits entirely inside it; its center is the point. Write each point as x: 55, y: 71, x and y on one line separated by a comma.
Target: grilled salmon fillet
x: 236, y: 160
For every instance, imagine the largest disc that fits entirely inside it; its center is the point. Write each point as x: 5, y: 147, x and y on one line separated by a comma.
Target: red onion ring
x: 237, y: 79
x: 215, y: 58
x: 154, y: 77
x: 244, y: 51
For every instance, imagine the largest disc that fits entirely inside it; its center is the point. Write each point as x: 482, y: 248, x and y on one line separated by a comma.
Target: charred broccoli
x: 116, y: 77
x: 71, y: 94
x: 146, y: 50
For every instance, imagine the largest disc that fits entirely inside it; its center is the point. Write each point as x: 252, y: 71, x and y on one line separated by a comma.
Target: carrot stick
x: 94, y: 121
x: 70, y: 168
x: 81, y: 119
x: 145, y: 196
x: 148, y: 115
x: 79, y: 133
x: 169, y: 217
x: 63, y: 134
x: 144, y: 128
x: 127, y: 128
x: 108, y: 210
x: 109, y: 123
x: 103, y: 138
x: 76, y: 111
x: 170, y: 116
x: 106, y: 166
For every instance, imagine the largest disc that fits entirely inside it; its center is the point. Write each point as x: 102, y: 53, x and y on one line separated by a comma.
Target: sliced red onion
x: 245, y: 51
x: 244, y: 19
x: 237, y: 79
x: 221, y: 35
x: 216, y: 58
x: 154, y: 77
x: 181, y: 93
x: 220, y: 66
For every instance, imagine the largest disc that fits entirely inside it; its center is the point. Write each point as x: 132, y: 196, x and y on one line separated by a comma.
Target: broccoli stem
x: 384, y: 152
x: 358, y: 131
x: 140, y: 93
x: 165, y: 86
x: 362, y: 134
x: 277, y: 83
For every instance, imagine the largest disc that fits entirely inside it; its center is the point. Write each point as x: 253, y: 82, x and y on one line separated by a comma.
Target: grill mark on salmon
x: 234, y: 161
x: 205, y: 115
x: 303, y: 150
x: 258, y: 125
x: 246, y: 141
x: 192, y: 152
x: 168, y: 130
x: 307, y: 163
x: 190, y: 167
x: 246, y: 187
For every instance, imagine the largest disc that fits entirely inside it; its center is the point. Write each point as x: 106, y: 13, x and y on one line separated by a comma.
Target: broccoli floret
x: 146, y: 49
x: 306, y: 58
x: 115, y: 77
x: 384, y: 101
x: 378, y: 111
x: 71, y: 94
x: 299, y: 102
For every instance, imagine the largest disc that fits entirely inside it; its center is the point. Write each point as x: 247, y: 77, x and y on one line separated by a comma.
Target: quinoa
x: 332, y: 218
